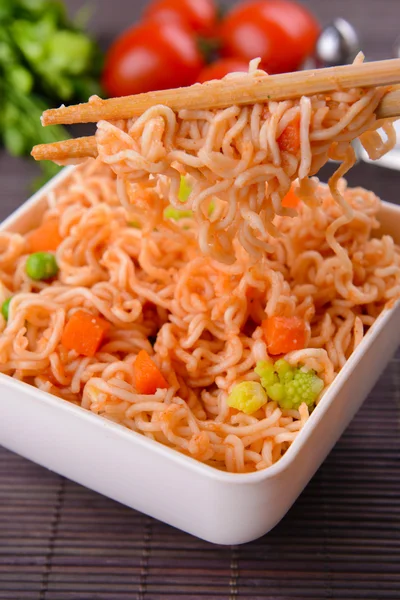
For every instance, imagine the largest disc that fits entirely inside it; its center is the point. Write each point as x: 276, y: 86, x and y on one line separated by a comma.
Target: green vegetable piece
x: 65, y: 62
x: 41, y: 266
x: 31, y: 37
x: 6, y: 10
x: 134, y: 224
x: 248, y: 397
x: 21, y: 127
x: 289, y: 386
x: 175, y: 213
x: 69, y: 52
x: 8, y: 53
x: 265, y: 370
x: 20, y: 79
x: 184, y: 189
x: 45, y: 59
x: 14, y: 140
x: 35, y: 9
x: 211, y: 208
x: 5, y: 308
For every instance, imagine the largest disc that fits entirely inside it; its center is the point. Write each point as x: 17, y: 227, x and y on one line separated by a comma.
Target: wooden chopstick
x: 389, y: 107
x: 83, y: 147
x: 228, y: 92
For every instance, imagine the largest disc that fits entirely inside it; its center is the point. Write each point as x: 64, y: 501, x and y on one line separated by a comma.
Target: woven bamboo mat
x: 60, y: 541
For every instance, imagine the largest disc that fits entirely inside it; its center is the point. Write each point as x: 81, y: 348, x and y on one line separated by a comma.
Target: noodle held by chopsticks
x: 240, y: 158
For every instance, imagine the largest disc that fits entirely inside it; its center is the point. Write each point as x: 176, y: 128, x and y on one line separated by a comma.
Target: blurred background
x: 60, y: 541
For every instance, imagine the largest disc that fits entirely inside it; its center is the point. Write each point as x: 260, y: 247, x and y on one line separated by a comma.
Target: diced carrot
x: 290, y: 200
x: 45, y: 238
x: 289, y: 140
x: 84, y: 333
x: 284, y: 334
x: 148, y: 378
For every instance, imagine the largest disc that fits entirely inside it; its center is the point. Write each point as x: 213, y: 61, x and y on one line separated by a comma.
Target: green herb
x: 45, y: 60
x: 41, y: 266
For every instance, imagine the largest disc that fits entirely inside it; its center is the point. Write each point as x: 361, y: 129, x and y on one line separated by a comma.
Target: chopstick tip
x: 49, y: 116
x: 36, y: 151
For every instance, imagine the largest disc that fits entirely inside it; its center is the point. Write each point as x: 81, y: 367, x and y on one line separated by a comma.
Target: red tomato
x: 222, y: 67
x: 152, y: 56
x: 199, y: 15
x: 281, y: 32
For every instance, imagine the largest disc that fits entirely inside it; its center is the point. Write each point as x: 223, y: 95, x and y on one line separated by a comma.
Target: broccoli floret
x: 265, y: 370
x: 289, y: 386
x: 247, y: 396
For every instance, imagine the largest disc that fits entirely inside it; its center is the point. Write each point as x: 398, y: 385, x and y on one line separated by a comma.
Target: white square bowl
x: 220, y: 507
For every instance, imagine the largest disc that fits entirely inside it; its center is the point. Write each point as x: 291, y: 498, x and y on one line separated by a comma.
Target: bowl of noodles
x: 191, y: 319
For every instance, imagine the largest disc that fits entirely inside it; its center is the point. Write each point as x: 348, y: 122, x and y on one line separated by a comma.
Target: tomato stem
x: 222, y: 11
x: 209, y: 48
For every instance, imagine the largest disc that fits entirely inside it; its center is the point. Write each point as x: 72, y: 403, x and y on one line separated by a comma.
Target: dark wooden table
x: 60, y: 541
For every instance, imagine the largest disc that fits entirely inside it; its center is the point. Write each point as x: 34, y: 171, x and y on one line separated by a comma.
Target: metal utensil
x: 396, y: 48
x: 338, y: 44
x: 392, y: 159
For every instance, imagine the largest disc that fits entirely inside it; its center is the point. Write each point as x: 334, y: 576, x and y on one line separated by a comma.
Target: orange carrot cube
x: 148, y: 377
x: 84, y: 333
x: 284, y: 334
x: 45, y: 238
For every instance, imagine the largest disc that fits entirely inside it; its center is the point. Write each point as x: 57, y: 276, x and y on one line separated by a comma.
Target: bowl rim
x: 186, y: 461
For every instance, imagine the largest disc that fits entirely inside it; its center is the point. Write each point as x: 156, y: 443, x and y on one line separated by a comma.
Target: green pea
x: 41, y: 266
x: 5, y: 308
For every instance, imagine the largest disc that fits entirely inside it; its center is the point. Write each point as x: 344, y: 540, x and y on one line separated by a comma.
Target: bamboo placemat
x: 60, y: 541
